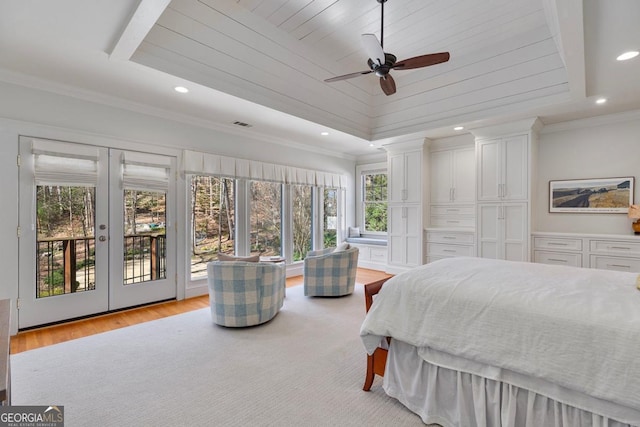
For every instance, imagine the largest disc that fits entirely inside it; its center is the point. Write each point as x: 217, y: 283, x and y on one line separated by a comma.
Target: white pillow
x: 354, y: 232
x: 341, y: 247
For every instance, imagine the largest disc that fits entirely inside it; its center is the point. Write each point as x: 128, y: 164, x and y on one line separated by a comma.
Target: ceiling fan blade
x: 347, y: 76
x: 373, y: 48
x: 388, y: 85
x: 422, y: 61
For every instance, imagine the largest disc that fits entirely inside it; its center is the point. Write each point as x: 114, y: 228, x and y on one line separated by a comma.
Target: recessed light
x: 324, y: 133
x: 628, y: 55
x: 601, y: 100
x: 458, y: 128
x: 371, y: 145
x: 181, y: 89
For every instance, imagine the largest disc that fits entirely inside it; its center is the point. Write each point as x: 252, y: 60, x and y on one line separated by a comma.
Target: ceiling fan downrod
x: 382, y: 2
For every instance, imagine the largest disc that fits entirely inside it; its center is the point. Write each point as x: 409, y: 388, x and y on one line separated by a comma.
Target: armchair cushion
x: 245, y: 293
x: 330, y: 273
x: 225, y: 257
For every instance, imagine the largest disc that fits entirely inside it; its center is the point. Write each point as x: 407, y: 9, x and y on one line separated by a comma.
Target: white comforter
x: 574, y: 327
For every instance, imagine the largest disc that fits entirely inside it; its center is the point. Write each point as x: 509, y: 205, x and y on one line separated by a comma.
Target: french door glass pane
x: 65, y: 250
x: 212, y: 222
x: 330, y: 220
x: 302, y: 228
x: 145, y: 241
x: 266, y: 218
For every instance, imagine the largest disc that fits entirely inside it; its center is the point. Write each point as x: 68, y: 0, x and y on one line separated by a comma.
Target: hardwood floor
x: 31, y: 339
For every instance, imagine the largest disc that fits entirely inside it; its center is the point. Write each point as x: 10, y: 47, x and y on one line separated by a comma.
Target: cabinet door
x: 489, y: 231
x: 515, y: 232
x: 396, y: 178
x: 489, y: 170
x: 464, y: 175
x: 413, y: 177
x: 503, y: 231
x: 515, y: 166
x: 413, y: 242
x: 441, y: 165
x: 404, y: 235
x: 396, y: 233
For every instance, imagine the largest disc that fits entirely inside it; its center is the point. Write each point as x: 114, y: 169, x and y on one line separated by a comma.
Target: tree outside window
x: 375, y: 202
x: 330, y: 217
x: 266, y: 218
x: 302, y: 220
x: 212, y: 221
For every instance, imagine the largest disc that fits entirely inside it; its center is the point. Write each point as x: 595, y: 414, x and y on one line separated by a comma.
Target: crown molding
x: 31, y: 82
x: 590, y: 122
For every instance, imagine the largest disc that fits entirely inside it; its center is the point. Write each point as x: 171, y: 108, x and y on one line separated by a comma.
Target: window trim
x: 361, y: 170
x: 242, y: 202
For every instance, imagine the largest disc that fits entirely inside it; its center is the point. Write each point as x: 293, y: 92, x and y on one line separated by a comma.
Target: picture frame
x: 594, y: 195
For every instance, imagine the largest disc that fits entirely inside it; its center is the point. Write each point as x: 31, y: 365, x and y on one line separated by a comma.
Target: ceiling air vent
x: 243, y: 124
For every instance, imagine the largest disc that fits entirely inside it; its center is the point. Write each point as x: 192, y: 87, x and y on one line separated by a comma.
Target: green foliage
x: 55, y: 279
x: 375, y: 202
x: 330, y: 239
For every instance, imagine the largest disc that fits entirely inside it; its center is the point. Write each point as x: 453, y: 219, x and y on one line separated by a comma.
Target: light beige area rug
x: 304, y: 368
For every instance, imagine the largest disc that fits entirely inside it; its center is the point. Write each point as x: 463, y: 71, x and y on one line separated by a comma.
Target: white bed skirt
x: 454, y: 398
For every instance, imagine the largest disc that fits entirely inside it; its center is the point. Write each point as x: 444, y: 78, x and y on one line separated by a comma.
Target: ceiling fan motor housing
x: 383, y: 70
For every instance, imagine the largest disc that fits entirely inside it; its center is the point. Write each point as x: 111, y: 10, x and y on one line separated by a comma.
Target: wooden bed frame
x: 378, y: 360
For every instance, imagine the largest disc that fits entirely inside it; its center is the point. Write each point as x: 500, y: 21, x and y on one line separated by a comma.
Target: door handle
x: 102, y: 238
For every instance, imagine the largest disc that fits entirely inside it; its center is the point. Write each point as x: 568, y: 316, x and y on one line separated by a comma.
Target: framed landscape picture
x: 597, y: 195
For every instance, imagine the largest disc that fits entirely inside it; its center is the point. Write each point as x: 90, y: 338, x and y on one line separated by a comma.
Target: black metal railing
x: 67, y: 265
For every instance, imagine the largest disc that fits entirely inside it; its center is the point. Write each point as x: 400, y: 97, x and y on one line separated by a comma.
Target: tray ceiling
x: 264, y: 62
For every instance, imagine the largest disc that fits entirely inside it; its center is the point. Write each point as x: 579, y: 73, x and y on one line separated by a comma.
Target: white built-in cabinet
x: 452, y: 210
x: 405, y: 177
x: 453, y: 176
x: 602, y: 251
x: 503, y: 231
x: 504, y: 167
x: 404, y: 221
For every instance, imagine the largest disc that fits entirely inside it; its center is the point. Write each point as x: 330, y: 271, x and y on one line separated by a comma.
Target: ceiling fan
x: 382, y: 63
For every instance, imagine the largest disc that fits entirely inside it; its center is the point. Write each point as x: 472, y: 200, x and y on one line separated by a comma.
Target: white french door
x: 96, y: 230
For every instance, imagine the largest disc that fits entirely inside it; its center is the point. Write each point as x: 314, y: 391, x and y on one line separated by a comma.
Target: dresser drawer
x: 615, y: 247
x: 448, y: 237
x: 467, y: 210
x: 557, y: 244
x: 557, y: 258
x: 452, y: 222
x: 615, y: 263
x: 448, y: 250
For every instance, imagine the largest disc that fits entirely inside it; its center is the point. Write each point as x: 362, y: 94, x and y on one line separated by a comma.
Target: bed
x: 480, y: 342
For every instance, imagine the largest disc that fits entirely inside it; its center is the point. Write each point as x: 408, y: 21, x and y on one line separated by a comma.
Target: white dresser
x: 603, y: 251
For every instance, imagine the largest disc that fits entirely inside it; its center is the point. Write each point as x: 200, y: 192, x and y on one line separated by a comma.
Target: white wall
x: 32, y: 112
x: 594, y: 148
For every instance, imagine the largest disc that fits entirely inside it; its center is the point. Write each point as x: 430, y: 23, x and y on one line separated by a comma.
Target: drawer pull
x: 453, y: 222
x: 556, y: 244
x: 449, y: 250
x: 449, y: 237
x: 618, y: 265
x: 453, y: 210
x: 557, y: 260
x: 620, y: 247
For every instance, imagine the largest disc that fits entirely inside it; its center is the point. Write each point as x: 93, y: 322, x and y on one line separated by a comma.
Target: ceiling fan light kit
x: 382, y: 63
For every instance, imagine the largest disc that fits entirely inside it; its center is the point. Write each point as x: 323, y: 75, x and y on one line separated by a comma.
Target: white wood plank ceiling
x: 264, y: 62
x: 278, y: 52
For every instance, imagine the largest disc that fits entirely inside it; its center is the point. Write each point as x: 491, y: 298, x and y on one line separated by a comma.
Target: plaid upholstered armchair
x: 330, y: 272
x: 245, y: 293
